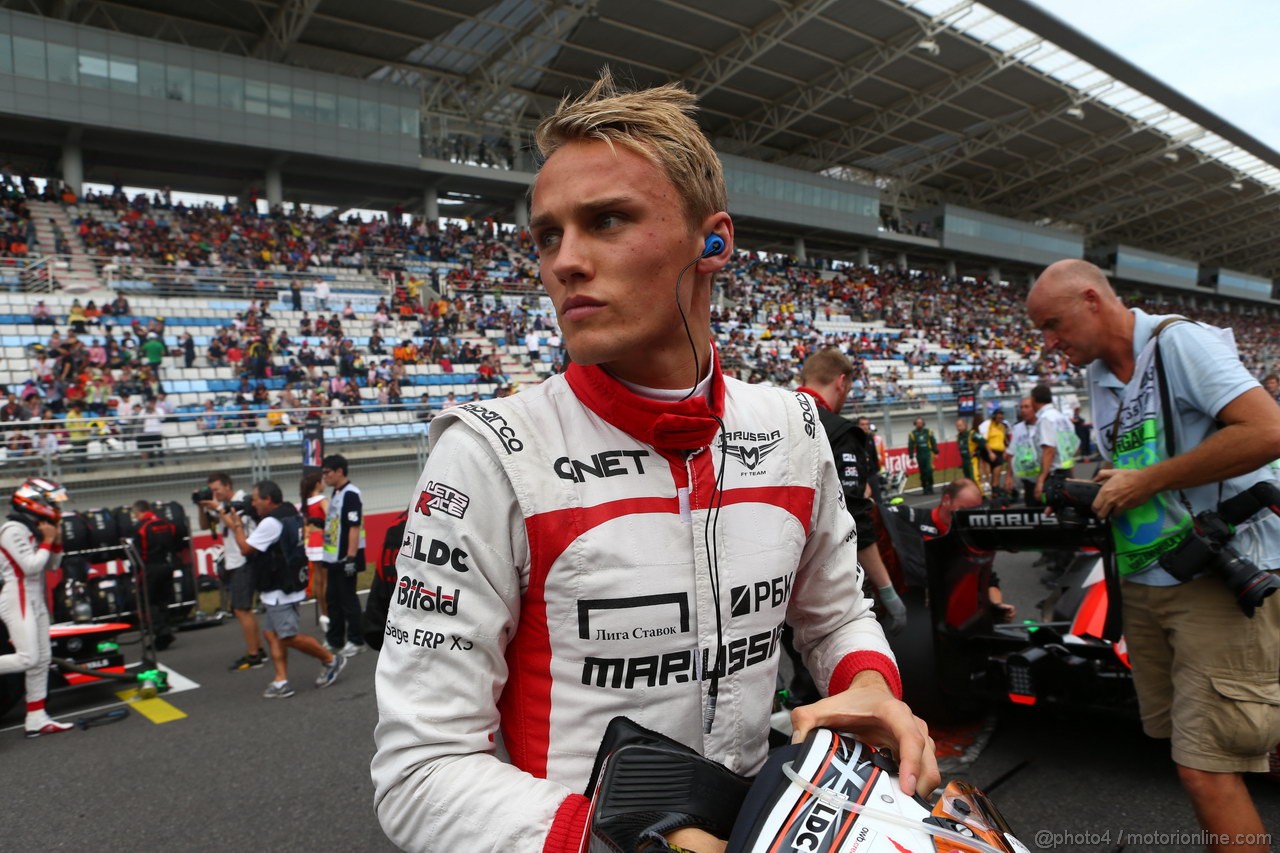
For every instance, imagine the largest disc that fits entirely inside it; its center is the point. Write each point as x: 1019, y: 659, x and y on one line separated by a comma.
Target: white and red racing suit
x: 559, y: 569
x: 23, y: 562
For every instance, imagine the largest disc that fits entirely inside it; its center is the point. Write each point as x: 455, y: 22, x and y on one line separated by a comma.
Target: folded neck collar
x: 818, y: 398
x: 685, y: 425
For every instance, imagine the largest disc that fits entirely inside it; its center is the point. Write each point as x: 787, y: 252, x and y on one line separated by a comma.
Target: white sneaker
x: 47, y: 726
x: 351, y: 649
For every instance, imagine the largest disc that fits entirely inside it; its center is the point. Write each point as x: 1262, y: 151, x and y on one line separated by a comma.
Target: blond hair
x: 824, y: 367
x: 657, y: 124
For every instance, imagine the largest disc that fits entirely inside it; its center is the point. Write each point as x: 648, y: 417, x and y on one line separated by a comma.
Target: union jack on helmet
x: 37, y: 499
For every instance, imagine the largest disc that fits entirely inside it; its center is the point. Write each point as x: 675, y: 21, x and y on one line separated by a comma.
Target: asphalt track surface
x: 243, y: 773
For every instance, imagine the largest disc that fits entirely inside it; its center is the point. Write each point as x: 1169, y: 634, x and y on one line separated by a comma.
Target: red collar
x: 822, y: 403
x: 685, y: 425
x: 937, y: 522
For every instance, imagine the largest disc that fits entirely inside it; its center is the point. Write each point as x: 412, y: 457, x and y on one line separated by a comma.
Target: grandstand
x: 897, y: 176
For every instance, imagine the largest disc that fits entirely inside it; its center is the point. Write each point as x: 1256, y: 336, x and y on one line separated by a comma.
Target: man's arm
x: 1249, y: 439
x: 235, y: 525
x: 353, y: 518
x: 438, y: 783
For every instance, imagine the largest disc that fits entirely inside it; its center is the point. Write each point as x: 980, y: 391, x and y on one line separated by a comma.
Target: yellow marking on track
x: 156, y: 710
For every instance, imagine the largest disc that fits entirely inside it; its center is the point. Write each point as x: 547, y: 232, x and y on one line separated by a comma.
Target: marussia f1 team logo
x: 751, y: 455
x: 447, y: 499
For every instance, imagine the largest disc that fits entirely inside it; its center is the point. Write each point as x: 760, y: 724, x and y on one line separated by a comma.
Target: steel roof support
x: 1186, y: 228
x: 1000, y: 131
x: 283, y: 29
x: 716, y: 70
x: 494, y: 76
x: 779, y: 115
x: 852, y: 142
x: 1072, y: 185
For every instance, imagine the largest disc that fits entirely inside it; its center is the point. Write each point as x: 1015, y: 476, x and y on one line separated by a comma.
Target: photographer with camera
x: 277, y: 558
x: 222, y: 508
x: 1186, y: 434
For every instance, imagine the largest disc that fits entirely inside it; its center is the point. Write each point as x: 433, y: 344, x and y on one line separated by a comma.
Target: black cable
x: 713, y: 516
x: 697, y: 368
x: 713, y: 570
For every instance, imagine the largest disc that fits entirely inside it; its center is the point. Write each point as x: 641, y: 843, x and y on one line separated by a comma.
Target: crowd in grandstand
x: 771, y: 313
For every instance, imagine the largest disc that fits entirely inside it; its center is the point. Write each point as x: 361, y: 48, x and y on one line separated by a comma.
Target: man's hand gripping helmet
x: 39, y: 500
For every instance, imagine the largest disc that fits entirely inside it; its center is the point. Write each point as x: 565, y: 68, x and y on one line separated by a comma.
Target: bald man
x: 1206, y: 676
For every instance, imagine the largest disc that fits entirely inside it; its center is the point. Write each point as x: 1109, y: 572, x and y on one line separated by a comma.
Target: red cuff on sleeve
x: 45, y: 546
x: 856, y: 662
x: 569, y: 826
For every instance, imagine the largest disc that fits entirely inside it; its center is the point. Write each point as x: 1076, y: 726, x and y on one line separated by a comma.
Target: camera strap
x: 1166, y: 408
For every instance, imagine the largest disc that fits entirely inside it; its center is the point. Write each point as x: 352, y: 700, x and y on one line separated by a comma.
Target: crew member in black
x: 384, y: 584
x: 827, y: 376
x: 157, y: 545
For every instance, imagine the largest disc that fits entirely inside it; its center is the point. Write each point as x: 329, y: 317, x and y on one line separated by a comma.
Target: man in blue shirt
x: 1207, y: 677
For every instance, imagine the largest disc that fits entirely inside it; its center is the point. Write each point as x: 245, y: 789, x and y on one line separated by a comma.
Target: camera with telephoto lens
x: 1206, y: 547
x: 200, y: 495
x: 1070, y: 500
x: 244, y: 507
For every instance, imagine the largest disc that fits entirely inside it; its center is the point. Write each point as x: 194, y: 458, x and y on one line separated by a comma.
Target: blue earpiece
x: 713, y: 246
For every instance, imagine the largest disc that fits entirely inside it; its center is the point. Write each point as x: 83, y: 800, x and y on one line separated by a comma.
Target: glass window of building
x: 206, y: 89
x: 94, y: 69
x: 304, y: 104
x: 150, y: 78
x: 124, y: 75
x: 178, y: 83
x: 369, y: 115
x: 62, y: 63
x: 348, y: 112
x: 281, y: 101
x: 388, y: 119
x: 231, y: 92
x: 256, y: 97
x: 6, y: 54
x: 409, y: 121
x: 28, y: 57
x: 326, y: 108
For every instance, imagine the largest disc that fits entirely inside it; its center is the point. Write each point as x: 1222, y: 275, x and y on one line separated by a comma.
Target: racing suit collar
x: 822, y: 404
x: 685, y: 425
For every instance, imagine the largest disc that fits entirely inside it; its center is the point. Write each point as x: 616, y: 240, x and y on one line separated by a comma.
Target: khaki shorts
x: 1207, y: 677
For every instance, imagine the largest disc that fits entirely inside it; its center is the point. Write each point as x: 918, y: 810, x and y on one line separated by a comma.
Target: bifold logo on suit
x: 416, y: 595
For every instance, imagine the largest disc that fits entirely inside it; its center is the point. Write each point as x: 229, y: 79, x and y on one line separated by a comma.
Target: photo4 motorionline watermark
x: 1047, y: 839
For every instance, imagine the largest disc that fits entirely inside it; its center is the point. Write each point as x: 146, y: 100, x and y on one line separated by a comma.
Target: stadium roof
x: 997, y: 106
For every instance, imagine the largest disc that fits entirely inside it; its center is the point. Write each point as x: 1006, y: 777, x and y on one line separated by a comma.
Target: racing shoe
x: 250, y: 661
x: 330, y: 672
x: 351, y: 649
x: 278, y: 691
x: 50, y: 727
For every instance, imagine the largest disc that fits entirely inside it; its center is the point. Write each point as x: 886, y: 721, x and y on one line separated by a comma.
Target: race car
x: 1072, y: 656
x: 92, y: 645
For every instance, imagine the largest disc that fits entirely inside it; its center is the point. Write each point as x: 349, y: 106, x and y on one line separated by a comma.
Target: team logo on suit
x: 751, y: 455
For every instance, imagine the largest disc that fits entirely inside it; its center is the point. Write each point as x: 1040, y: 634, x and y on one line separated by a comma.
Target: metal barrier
x: 110, y: 446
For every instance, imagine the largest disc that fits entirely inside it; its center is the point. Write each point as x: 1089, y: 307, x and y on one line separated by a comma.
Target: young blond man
x: 580, y: 541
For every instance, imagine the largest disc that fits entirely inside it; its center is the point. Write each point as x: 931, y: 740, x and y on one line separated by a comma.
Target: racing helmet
x: 38, y: 500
